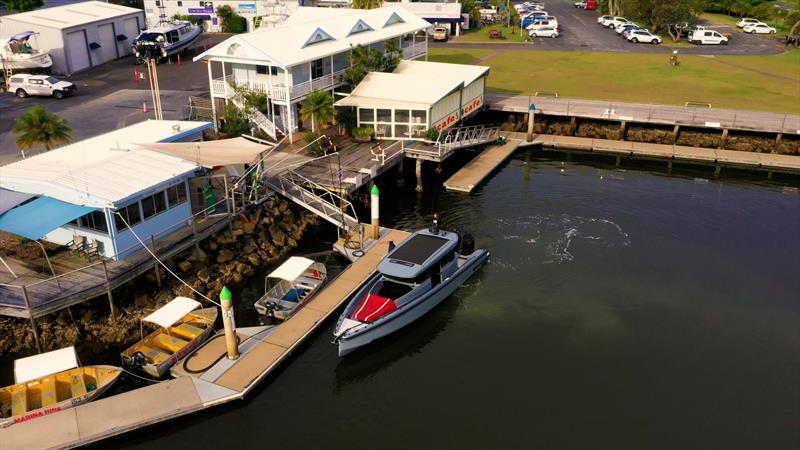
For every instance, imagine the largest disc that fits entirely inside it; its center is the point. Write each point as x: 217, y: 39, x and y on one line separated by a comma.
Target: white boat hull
x: 37, y: 61
x: 348, y: 344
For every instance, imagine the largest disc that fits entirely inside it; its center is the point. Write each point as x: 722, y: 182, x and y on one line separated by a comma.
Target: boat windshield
x: 151, y: 37
x: 391, y: 289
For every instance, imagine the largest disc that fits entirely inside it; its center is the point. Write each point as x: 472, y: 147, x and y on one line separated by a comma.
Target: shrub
x: 432, y: 134
x: 236, y: 122
x: 314, y: 149
x: 363, y: 132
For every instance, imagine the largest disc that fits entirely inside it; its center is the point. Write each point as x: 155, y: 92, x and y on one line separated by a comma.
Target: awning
x: 33, y: 367
x: 212, y: 153
x: 172, y: 312
x: 292, y: 268
x: 10, y: 199
x: 122, y: 37
x: 36, y: 218
x: 21, y: 36
x: 94, y: 45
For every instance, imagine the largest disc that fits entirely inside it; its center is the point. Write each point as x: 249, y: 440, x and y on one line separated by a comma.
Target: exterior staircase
x: 256, y: 117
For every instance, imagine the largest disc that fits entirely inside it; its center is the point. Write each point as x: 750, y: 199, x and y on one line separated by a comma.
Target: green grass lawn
x: 765, y: 83
x: 482, y: 35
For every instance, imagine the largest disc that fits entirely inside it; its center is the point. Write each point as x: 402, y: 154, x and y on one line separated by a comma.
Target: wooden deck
x: 722, y: 158
x: 472, y: 174
x: 262, y: 349
x: 88, y: 280
x: 358, y: 164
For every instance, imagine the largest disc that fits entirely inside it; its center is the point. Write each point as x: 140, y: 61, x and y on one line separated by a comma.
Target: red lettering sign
x: 472, y: 106
x: 451, y: 119
x: 36, y: 414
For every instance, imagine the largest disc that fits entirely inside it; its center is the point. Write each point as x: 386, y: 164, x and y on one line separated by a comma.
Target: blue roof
x: 38, y: 217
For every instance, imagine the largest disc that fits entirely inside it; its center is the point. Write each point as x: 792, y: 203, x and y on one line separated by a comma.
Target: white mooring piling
x: 374, y: 203
x: 226, y: 300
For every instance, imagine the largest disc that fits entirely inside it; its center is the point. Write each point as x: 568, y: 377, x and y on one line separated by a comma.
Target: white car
x: 759, y: 28
x: 706, y: 37
x: 23, y: 85
x: 645, y: 36
x: 615, y: 22
x: 621, y: 27
x: 602, y: 19
x: 549, y: 32
x: 745, y: 21
x: 540, y: 22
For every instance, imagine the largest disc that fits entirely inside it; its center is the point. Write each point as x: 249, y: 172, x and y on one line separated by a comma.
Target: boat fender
x: 467, y: 244
x: 137, y: 360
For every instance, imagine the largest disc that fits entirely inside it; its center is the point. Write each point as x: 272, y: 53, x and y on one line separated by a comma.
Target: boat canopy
x: 292, y: 268
x: 38, y: 366
x: 167, y: 315
x: 21, y: 36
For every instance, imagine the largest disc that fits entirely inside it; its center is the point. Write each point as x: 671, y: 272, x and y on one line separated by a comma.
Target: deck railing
x: 278, y: 91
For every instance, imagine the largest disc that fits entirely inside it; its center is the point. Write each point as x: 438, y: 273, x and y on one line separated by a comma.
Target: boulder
x: 277, y: 235
x: 185, y: 266
x: 225, y: 255
x: 249, y: 246
x: 212, y: 245
x: 249, y: 227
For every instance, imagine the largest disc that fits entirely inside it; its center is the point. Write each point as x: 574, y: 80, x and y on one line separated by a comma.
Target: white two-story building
x: 310, y: 51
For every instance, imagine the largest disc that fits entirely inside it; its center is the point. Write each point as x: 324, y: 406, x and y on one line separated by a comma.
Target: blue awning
x: 21, y: 36
x: 38, y: 217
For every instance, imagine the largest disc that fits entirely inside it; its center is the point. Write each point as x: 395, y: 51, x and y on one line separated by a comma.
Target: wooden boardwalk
x: 211, y: 378
x: 724, y: 158
x: 712, y: 118
x: 469, y: 176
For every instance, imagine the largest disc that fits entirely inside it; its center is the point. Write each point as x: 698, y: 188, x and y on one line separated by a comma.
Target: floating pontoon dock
x: 469, y: 176
x: 211, y: 378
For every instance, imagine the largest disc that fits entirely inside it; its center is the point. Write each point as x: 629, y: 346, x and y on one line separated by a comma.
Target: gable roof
x: 291, y: 43
x: 71, y: 15
x: 465, y: 72
x: 380, y: 89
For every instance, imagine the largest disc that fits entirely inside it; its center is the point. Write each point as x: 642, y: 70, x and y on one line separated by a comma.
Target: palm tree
x: 318, y: 108
x: 38, y: 126
x: 366, y: 4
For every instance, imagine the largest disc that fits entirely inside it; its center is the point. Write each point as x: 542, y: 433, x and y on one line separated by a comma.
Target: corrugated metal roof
x: 288, y: 44
x: 464, y: 72
x: 400, y: 89
x: 105, y: 170
x: 71, y: 15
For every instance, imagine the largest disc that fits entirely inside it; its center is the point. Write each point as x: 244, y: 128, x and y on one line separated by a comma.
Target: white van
x: 706, y: 37
x: 550, y: 21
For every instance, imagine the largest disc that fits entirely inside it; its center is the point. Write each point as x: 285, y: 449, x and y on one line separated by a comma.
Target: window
x: 176, y: 195
x: 131, y: 215
x: 366, y: 115
x: 95, y: 220
x: 384, y: 115
x: 173, y: 37
x: 401, y: 115
x: 275, y: 70
x: 154, y: 204
x: 158, y: 2
x: 262, y: 70
x: 180, y: 3
x: 317, y: 68
x: 418, y: 116
x: 401, y: 131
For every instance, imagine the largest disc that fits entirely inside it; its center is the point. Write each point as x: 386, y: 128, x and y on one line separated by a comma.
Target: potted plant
x: 363, y: 134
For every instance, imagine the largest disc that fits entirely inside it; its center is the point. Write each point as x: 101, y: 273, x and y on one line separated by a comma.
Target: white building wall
x: 172, y: 7
x: 66, y: 234
x: 160, y: 225
x: 472, y: 100
x: 445, y: 113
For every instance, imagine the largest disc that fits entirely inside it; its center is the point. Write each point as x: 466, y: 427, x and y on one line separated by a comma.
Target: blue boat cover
x: 38, y: 217
x: 21, y: 36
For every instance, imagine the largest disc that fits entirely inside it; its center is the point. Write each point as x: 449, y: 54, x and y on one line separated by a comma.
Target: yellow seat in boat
x: 152, y: 355
x: 77, y: 385
x: 186, y: 330
x: 19, y: 400
x: 169, y: 343
x: 48, y: 387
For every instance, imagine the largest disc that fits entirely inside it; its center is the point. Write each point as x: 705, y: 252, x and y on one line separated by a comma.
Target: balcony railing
x: 416, y: 51
x: 278, y: 92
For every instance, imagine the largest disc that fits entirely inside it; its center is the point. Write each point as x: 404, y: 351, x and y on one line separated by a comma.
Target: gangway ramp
x: 315, y: 198
x: 471, y: 175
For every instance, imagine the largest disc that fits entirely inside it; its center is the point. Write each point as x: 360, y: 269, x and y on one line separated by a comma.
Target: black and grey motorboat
x: 166, y: 38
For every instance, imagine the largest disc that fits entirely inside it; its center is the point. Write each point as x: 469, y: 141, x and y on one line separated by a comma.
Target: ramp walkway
x: 451, y: 140
x: 315, y: 198
x: 472, y: 174
x: 262, y: 350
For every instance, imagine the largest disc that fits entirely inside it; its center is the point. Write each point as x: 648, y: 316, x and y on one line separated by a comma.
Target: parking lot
x: 109, y: 97
x: 579, y: 31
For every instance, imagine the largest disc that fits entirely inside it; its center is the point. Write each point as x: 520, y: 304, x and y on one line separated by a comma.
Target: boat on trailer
x: 182, y: 328
x: 17, y: 53
x: 166, y: 38
x: 293, y: 284
x: 50, y: 382
x: 410, y: 281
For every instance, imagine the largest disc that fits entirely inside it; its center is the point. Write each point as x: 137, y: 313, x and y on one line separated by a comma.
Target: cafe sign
x: 446, y: 122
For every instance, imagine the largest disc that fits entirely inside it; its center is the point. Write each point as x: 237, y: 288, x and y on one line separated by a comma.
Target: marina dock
x: 205, y: 379
x: 472, y: 174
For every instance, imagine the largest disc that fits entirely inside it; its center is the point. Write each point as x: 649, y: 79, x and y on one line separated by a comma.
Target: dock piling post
x: 30, y: 316
x: 623, y: 128
x: 675, y: 132
x: 418, y: 172
x: 573, y: 125
x: 226, y: 299
x: 375, y: 209
x: 110, y: 294
x: 400, y: 179
x: 717, y: 170
x: 156, y: 269
x: 529, y: 138
x: 724, y: 138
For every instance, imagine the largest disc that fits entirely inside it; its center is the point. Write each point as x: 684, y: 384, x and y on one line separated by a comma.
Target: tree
x: 230, y: 21
x: 366, y: 4
x: 318, y: 108
x: 235, y: 121
x: 659, y: 14
x: 38, y: 126
x: 367, y: 59
x: 23, y: 5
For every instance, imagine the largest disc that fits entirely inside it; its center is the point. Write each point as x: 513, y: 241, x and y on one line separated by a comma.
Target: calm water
x: 620, y: 309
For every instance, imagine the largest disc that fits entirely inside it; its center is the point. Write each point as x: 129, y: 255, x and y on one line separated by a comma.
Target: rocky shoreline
x: 256, y: 238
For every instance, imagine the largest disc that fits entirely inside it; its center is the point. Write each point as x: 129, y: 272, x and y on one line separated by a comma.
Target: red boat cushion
x: 372, y: 307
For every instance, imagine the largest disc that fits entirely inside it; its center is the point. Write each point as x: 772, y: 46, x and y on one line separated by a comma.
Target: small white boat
x: 183, y: 329
x: 50, y: 382
x: 411, y: 280
x: 17, y: 53
x: 165, y: 39
x: 292, y: 285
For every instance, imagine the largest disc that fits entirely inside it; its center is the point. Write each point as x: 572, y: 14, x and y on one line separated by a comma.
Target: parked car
x: 604, y: 18
x: 707, y: 37
x: 441, y: 33
x: 581, y: 4
x: 24, y: 85
x: 759, y: 28
x: 617, y: 21
x: 626, y: 27
x: 591, y: 5
x: 541, y: 23
x: 745, y: 21
x: 550, y: 32
x: 645, y: 36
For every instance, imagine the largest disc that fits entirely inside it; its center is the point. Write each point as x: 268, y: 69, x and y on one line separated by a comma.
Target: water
x: 619, y: 310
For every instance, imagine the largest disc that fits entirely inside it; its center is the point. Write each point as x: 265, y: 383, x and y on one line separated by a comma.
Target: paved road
x: 581, y: 32
x: 108, y: 97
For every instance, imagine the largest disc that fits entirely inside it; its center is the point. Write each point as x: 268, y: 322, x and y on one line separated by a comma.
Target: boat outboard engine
x: 137, y: 360
x: 435, y: 225
x: 467, y: 244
